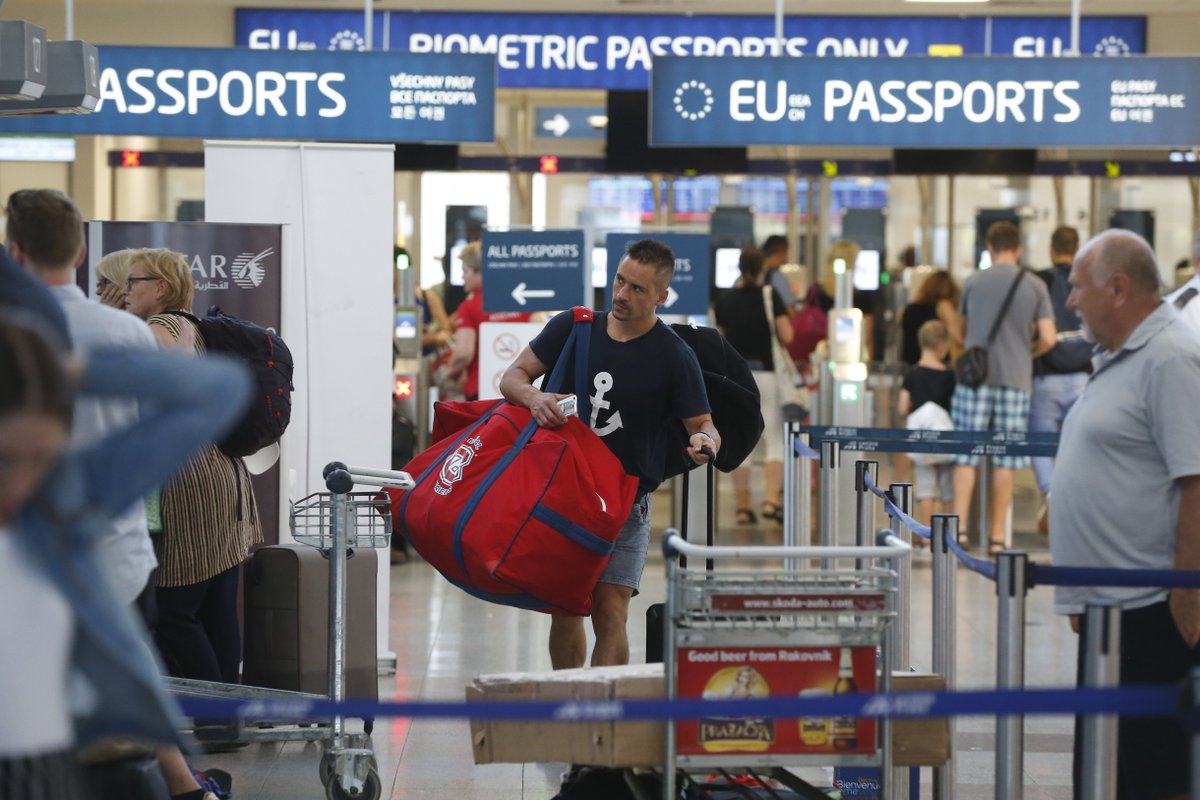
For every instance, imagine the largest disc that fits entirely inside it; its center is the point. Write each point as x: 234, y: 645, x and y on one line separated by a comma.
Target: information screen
x: 727, y: 271
x: 866, y: 271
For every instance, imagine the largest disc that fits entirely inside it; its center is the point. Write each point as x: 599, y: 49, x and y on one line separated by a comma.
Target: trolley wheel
x: 368, y: 725
x: 372, y: 789
x: 325, y: 769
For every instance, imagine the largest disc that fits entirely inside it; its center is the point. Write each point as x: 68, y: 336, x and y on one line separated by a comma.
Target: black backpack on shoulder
x: 270, y: 361
x: 732, y: 395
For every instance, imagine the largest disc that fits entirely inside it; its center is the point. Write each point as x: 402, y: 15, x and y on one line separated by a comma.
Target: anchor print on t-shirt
x: 603, y: 383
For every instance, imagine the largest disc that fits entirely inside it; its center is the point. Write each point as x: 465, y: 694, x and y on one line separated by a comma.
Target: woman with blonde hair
x: 938, y: 298
x: 112, y: 272
x: 209, y: 516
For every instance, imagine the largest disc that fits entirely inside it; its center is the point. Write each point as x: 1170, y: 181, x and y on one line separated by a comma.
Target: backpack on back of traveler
x: 270, y: 362
x: 1075, y: 354
x: 732, y: 395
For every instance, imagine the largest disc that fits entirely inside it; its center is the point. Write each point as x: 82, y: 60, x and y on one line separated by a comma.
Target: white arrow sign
x: 558, y: 125
x: 520, y: 293
x: 672, y: 296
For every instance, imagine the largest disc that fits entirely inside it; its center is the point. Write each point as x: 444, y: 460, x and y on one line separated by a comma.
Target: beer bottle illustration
x: 844, y: 730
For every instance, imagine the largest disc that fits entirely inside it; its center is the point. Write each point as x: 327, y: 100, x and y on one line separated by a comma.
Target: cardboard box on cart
x: 920, y: 742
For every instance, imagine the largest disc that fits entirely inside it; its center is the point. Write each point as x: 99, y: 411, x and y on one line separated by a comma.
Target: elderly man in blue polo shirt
x: 1126, y: 489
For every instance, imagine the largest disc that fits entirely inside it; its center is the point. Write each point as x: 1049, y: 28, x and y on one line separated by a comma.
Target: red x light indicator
x: 404, y: 387
x: 131, y: 158
x: 549, y: 165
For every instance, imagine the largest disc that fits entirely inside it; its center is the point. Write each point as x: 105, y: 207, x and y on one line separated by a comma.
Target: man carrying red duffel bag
x: 640, y: 378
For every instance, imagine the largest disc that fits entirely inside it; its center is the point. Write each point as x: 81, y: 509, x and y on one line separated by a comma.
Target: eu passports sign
x: 264, y: 94
x: 926, y: 102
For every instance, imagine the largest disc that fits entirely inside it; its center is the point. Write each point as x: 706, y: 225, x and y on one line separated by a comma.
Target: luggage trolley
x: 792, y: 631
x: 333, y: 522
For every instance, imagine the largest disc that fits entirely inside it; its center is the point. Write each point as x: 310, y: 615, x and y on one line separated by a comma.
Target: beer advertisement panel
x: 744, y: 673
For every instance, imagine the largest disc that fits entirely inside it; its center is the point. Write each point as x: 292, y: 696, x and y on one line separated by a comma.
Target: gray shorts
x: 629, y: 553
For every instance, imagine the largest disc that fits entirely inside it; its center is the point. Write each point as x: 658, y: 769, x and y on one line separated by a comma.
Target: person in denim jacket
x: 88, y: 672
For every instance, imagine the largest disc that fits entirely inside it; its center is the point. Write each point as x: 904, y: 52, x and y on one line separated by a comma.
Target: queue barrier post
x: 901, y: 495
x: 1011, y: 592
x: 831, y: 461
x: 797, y: 492
x: 1101, y: 668
x: 945, y: 778
x: 864, y: 506
x: 864, y: 515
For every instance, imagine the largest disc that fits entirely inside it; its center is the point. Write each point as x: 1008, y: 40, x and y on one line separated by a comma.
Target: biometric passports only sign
x: 281, y: 94
x: 688, y: 292
x: 919, y: 102
x: 532, y: 270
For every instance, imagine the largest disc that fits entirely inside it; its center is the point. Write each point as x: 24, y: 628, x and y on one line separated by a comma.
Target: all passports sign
x: 918, y: 102
x: 532, y: 270
x: 266, y: 94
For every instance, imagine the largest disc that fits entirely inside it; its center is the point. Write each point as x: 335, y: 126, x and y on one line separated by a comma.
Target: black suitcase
x: 654, y: 614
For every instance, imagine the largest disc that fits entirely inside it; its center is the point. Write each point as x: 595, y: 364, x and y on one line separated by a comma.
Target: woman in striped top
x: 209, y: 517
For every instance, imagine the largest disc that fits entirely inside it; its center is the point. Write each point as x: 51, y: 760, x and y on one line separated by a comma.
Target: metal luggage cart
x: 333, y: 522
x: 804, y: 629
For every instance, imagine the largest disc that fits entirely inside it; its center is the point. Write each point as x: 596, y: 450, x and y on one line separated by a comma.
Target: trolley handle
x: 341, y: 479
x: 674, y: 544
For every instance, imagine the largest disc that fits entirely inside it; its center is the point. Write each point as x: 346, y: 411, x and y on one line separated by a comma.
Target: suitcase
x: 287, y: 637
x: 654, y: 614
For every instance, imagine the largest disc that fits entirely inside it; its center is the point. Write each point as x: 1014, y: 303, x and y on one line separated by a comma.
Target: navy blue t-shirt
x: 637, y: 388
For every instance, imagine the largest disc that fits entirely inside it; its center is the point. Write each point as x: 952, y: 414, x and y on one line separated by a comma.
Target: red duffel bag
x: 514, y: 513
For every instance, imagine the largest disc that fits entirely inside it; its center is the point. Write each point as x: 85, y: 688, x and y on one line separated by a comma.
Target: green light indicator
x: 839, y: 266
x: 885, y: 278
x: 848, y: 393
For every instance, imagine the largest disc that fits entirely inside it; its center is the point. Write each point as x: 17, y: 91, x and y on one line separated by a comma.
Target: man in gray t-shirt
x: 1002, y: 402
x: 1126, y: 489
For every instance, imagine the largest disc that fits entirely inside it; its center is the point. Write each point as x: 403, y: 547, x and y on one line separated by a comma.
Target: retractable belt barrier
x: 1014, y: 574
x: 904, y: 440
x: 1156, y: 701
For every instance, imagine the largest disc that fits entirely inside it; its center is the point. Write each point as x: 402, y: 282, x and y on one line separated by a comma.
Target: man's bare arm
x: 1047, y: 336
x: 517, y: 387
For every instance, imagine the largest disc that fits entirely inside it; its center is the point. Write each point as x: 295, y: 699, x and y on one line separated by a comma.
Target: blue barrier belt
x: 903, y: 440
x: 1096, y: 576
x: 985, y: 568
x: 1144, y: 701
x: 893, y: 510
x: 805, y: 451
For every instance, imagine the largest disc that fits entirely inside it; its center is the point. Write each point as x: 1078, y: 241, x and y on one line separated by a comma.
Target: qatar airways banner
x: 926, y: 102
x: 614, y: 51
x: 261, y: 94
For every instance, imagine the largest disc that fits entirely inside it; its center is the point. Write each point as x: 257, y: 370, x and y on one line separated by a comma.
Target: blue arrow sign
x: 533, y: 270
x: 688, y: 292
x: 926, y: 102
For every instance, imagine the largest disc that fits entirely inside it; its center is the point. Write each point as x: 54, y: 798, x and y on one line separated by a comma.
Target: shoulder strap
x: 578, y: 342
x: 1012, y: 290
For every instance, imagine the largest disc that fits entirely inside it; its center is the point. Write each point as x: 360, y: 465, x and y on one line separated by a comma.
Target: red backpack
x: 514, y: 513
x: 810, y: 327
